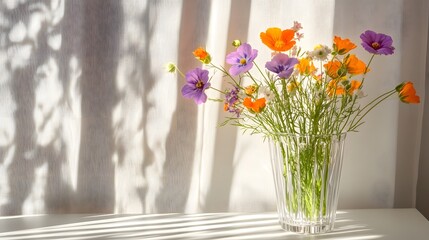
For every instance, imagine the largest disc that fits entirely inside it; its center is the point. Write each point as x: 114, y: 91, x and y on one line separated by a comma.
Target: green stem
x: 223, y: 70
x: 354, y: 99
x: 218, y: 90
x: 374, y: 103
x: 180, y: 72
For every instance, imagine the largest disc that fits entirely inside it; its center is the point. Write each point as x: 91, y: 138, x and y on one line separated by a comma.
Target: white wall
x: 92, y: 123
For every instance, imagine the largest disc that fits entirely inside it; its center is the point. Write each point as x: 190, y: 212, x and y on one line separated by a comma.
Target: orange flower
x: 305, y: 66
x: 407, y: 93
x: 202, y: 55
x: 343, y: 46
x: 257, y: 106
x: 355, y: 66
x: 332, y: 68
x: 334, y: 88
x: 278, y: 40
x: 225, y: 107
x: 354, y: 85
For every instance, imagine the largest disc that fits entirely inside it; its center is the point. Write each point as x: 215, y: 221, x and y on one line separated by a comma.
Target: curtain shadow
x: 182, y: 136
x: 101, y: 36
x: 219, y: 192
x: 148, y: 85
x: 410, y: 131
x: 422, y: 195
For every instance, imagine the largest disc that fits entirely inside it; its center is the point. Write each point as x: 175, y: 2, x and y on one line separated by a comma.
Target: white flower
x: 320, y: 52
x: 265, y: 91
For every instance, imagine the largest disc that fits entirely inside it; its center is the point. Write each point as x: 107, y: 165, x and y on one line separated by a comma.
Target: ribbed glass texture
x: 307, y: 170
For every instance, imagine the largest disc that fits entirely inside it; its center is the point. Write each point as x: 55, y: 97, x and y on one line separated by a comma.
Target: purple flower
x: 282, y: 64
x: 377, y: 43
x: 231, y: 100
x: 241, y: 60
x: 196, y: 83
x: 231, y: 96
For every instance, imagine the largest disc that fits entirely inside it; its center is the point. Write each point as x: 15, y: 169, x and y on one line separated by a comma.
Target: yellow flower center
x: 279, y: 44
x: 250, y: 90
x: 199, y: 84
x: 375, y: 45
x: 243, y: 61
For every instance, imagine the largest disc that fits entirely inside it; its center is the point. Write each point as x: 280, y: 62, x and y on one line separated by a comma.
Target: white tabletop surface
x: 392, y: 224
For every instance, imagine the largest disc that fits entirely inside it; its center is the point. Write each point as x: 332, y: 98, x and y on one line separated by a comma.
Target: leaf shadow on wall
x: 38, y: 144
x: 91, y: 32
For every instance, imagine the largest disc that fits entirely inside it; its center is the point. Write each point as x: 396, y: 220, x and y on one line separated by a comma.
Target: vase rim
x: 342, y: 134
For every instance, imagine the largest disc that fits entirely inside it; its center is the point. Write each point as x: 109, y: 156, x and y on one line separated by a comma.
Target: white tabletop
x: 392, y: 224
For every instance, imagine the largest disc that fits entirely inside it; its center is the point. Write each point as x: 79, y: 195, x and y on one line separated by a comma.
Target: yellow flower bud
x: 236, y: 43
x: 170, y: 67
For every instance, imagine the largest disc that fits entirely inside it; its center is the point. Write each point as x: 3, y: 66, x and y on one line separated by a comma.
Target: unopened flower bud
x: 236, y: 43
x: 170, y: 67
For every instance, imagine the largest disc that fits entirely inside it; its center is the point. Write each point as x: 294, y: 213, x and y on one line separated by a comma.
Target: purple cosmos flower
x: 282, y: 64
x: 196, y: 83
x: 377, y: 43
x: 241, y: 60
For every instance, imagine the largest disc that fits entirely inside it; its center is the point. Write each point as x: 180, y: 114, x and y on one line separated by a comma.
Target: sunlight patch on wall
x: 128, y: 154
x: 34, y: 203
x: 48, y: 93
x: 19, y: 55
x: 4, y: 180
x: 127, y: 117
x: 18, y: 32
x: 72, y: 121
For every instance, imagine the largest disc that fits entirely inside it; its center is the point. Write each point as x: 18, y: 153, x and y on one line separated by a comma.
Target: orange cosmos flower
x: 202, y: 55
x: 354, y: 85
x: 305, y: 66
x: 278, y: 40
x: 343, y: 46
x: 257, y: 106
x: 334, y: 88
x: 355, y: 66
x: 407, y: 93
x: 332, y: 68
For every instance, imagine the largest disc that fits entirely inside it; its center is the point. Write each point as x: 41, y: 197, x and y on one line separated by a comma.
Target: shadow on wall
x: 219, y: 193
x: 182, y: 137
x: 96, y: 173
x: 65, y: 95
x: 38, y: 148
x: 396, y: 154
x: 39, y: 177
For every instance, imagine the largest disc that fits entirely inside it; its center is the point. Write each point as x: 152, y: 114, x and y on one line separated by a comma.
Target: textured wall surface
x: 90, y: 121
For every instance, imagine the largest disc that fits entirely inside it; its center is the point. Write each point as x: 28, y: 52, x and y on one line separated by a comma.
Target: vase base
x: 307, y: 229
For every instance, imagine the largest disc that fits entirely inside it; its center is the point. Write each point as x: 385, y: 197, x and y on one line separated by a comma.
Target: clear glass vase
x: 307, y: 170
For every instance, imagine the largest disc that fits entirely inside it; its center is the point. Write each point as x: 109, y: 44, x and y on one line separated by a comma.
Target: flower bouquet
x: 304, y: 103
